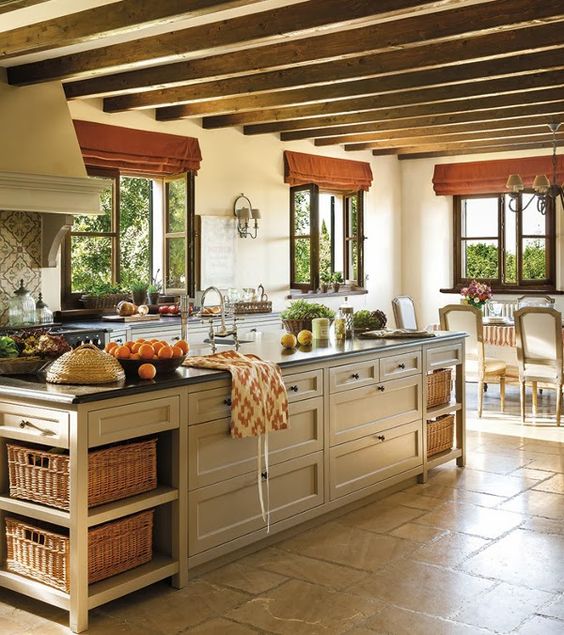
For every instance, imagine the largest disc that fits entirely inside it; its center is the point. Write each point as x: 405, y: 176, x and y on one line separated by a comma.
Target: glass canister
x: 43, y: 314
x: 21, y: 308
x: 340, y: 327
x: 347, y: 313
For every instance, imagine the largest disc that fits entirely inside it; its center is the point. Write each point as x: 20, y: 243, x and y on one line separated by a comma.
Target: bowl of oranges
x: 148, y: 358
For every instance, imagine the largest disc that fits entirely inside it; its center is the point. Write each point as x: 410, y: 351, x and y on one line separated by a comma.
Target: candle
x: 320, y: 328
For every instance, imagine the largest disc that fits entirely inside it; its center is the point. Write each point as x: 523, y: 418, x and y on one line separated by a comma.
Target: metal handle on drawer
x: 402, y: 366
x: 294, y: 388
x: 381, y: 388
x: 380, y: 437
x: 227, y: 401
x: 27, y: 424
x: 355, y: 376
x: 176, y: 338
x: 264, y: 476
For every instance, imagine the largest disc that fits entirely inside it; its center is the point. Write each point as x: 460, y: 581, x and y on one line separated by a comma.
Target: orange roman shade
x: 137, y: 151
x: 326, y: 172
x: 490, y: 177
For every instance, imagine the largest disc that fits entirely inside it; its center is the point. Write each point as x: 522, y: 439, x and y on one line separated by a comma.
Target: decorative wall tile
x: 20, y: 256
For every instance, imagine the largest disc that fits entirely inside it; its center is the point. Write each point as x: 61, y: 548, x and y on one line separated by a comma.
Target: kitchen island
x: 358, y: 419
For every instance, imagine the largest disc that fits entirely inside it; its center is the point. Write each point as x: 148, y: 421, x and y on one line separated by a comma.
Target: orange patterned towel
x: 259, y: 402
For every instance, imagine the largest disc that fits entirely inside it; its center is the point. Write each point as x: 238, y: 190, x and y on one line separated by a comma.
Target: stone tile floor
x: 474, y: 550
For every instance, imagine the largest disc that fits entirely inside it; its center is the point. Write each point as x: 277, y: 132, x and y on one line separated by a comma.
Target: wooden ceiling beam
x: 471, y: 118
x: 477, y: 150
x: 110, y: 19
x: 295, y: 21
x: 434, y: 94
x: 364, y: 42
x: 534, y: 119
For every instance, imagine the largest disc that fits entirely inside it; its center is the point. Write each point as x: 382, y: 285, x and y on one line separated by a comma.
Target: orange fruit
x: 165, y: 352
x: 140, y: 340
x: 109, y: 346
x: 135, y: 348
x: 122, y: 352
x: 147, y: 371
x: 153, y: 341
x: 158, y: 345
x: 146, y: 351
x: 177, y: 351
x: 183, y: 344
x: 130, y: 345
x: 134, y: 356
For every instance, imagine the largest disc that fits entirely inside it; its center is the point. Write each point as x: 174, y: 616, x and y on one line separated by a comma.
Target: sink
x: 226, y: 341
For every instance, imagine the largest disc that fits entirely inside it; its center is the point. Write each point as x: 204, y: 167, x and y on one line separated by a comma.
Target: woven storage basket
x: 86, y: 364
x: 106, y: 301
x: 114, y: 472
x: 258, y: 306
x: 295, y: 326
x: 440, y: 434
x: 43, y: 555
x: 439, y: 385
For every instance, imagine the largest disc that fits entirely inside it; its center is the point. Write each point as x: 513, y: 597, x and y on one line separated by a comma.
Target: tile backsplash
x: 20, y: 256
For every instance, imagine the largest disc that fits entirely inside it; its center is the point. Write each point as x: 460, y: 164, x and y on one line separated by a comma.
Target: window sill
x: 518, y: 291
x: 304, y: 295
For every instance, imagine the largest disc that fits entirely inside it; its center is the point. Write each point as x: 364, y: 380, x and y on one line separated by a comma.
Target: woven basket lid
x: 86, y: 364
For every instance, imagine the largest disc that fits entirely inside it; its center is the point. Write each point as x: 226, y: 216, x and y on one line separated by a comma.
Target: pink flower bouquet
x: 476, y: 294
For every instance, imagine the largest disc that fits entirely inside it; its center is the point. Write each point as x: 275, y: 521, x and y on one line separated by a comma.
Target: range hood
x: 41, y: 166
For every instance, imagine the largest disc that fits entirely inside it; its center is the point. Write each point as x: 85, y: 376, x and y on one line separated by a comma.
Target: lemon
x: 288, y: 340
x: 305, y: 337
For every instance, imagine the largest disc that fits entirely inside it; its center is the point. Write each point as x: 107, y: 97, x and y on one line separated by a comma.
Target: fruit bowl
x: 163, y: 366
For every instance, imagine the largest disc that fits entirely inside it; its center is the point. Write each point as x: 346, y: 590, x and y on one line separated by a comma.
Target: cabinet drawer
x: 356, y: 413
x: 39, y: 425
x: 215, y: 456
x: 209, y: 405
x: 136, y: 419
x: 230, y: 509
x: 441, y: 356
x: 353, y: 375
x: 304, y: 385
x: 375, y: 458
x: 403, y: 365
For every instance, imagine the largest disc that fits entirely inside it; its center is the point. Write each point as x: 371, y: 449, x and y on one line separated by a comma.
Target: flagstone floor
x: 474, y: 550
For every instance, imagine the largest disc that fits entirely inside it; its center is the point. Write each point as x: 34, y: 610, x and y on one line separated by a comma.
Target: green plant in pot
x: 300, y: 313
x: 337, y: 280
x: 325, y: 280
x: 154, y: 289
x: 139, y: 292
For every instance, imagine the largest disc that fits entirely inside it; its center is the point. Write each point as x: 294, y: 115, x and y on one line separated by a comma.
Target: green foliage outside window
x: 482, y: 262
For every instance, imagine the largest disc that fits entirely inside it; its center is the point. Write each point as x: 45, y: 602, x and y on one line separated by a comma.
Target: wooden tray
x: 396, y: 334
x: 131, y: 318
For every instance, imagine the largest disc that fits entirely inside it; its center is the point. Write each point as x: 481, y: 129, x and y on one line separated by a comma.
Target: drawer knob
x: 294, y: 388
x: 227, y: 401
x: 381, y: 437
x: 402, y: 366
x: 27, y: 424
x: 355, y: 376
x: 264, y: 476
x: 381, y: 388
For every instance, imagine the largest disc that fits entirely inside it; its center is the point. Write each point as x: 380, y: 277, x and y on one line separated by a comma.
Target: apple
x: 163, y: 310
x: 173, y: 309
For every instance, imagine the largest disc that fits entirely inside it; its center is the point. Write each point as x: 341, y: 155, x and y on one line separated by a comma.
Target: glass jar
x: 21, y: 307
x: 347, y: 313
x: 43, y: 314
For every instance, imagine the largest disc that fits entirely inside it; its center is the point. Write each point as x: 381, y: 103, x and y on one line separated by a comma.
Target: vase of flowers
x: 476, y: 294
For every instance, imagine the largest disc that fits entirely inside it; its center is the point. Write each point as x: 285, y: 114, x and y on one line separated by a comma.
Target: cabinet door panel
x: 230, y: 509
x: 403, y: 365
x: 39, y: 425
x: 374, y: 458
x: 304, y: 385
x: 215, y: 456
x: 208, y: 405
x: 362, y: 411
x: 441, y: 356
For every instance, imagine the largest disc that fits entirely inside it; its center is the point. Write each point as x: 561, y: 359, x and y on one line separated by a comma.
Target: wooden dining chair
x: 535, y: 300
x: 538, y: 332
x: 404, y: 312
x: 468, y: 319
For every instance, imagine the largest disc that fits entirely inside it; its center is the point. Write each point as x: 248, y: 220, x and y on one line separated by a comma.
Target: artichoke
x: 8, y: 347
x: 369, y: 320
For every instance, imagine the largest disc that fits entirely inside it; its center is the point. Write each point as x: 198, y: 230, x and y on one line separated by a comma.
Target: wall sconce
x: 244, y: 212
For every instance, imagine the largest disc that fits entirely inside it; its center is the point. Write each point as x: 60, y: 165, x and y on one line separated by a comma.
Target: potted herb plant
x: 337, y: 279
x: 154, y: 289
x: 299, y: 314
x: 325, y: 280
x: 104, y: 296
x: 139, y: 292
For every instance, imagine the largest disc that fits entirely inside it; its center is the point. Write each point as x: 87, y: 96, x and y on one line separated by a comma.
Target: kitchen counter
x: 267, y: 346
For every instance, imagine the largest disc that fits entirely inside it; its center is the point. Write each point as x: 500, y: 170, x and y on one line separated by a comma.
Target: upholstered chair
x: 404, y: 312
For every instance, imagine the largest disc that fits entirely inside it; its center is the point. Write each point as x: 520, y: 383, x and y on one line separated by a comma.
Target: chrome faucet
x: 223, y: 332
x: 221, y: 304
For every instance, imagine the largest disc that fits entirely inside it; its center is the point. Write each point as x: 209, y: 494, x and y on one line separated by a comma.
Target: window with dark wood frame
x: 354, y: 237
x: 515, y: 252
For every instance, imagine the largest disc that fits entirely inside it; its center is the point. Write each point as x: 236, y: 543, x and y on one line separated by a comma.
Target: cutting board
x: 131, y: 318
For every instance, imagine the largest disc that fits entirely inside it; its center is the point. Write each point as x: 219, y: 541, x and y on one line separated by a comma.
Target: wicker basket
x: 440, y: 435
x: 107, y: 301
x: 86, y: 364
x: 263, y: 306
x: 295, y: 326
x: 439, y: 385
x: 23, y: 365
x: 114, y: 472
x: 40, y: 553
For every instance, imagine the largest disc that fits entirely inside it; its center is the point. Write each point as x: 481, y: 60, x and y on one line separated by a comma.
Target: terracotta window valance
x: 333, y: 174
x: 490, y: 177
x: 137, y: 151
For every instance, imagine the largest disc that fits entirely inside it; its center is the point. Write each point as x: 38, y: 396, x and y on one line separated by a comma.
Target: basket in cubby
x: 439, y: 386
x: 440, y: 434
x: 38, y: 551
x: 114, y: 472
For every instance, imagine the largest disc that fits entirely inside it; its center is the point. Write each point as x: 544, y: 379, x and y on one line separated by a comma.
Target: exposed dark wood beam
x: 463, y: 145
x: 12, y: 5
x: 469, y: 21
x: 437, y: 151
x: 362, y: 141
x: 437, y: 94
x: 472, y: 117
x: 295, y: 21
x: 110, y: 19
x: 455, y: 108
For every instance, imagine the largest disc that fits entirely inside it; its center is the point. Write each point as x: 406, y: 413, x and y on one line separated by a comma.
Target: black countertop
x: 267, y: 347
